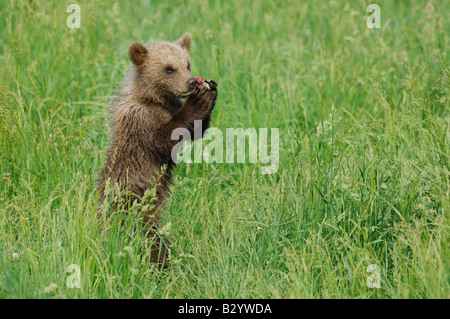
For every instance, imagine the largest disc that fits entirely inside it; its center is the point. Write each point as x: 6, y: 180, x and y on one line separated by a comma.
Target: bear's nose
x: 191, y: 83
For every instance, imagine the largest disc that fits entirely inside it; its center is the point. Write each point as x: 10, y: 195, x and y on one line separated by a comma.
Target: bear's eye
x: 189, y: 66
x: 169, y: 69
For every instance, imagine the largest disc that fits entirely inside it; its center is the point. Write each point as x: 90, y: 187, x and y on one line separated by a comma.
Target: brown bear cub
x: 145, y: 112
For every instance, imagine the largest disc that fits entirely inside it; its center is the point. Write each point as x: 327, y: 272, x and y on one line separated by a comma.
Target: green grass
x: 364, y: 174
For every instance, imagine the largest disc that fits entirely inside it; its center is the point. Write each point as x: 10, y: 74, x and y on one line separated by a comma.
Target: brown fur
x: 144, y: 114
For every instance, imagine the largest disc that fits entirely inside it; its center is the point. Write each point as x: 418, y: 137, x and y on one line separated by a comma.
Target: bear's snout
x: 191, y: 83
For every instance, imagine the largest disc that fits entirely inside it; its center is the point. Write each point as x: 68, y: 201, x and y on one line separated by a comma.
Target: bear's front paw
x: 207, y: 99
x: 200, y: 104
x: 212, y: 85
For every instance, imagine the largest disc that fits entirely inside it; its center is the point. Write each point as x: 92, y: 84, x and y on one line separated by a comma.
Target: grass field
x: 364, y: 174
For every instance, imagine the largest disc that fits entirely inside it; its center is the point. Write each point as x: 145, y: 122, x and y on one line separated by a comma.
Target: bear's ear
x: 184, y: 41
x: 137, y: 53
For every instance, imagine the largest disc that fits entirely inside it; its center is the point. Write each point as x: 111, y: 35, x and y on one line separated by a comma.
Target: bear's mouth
x: 186, y: 94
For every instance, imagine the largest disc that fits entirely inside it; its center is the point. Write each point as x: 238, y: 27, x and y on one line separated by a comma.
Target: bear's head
x: 164, y: 68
